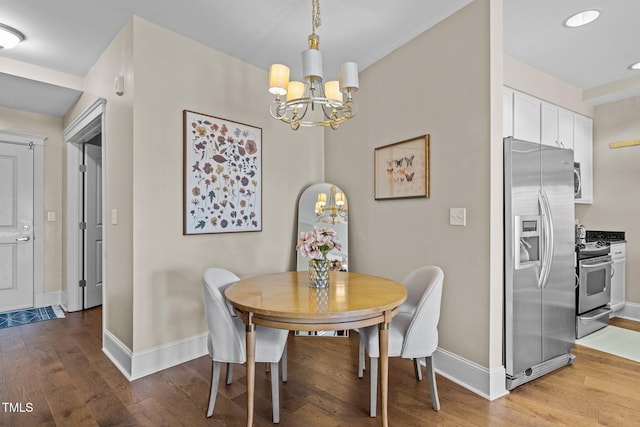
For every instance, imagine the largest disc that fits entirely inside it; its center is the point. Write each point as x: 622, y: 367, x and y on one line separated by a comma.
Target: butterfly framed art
x: 401, y: 169
x: 222, y: 175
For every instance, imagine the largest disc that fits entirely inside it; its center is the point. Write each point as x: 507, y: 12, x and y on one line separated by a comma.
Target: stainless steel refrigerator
x: 539, y: 306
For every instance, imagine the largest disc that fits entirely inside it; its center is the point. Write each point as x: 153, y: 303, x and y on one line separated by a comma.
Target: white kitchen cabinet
x: 556, y: 126
x: 583, y: 154
x: 526, y: 117
x: 618, y: 276
x: 549, y: 124
x: 565, y: 128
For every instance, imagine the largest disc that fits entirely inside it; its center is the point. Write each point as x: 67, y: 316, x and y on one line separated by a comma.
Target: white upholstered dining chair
x: 413, y: 332
x: 227, y: 340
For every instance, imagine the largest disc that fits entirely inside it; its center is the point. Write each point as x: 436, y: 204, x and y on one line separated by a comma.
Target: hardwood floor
x: 57, y: 369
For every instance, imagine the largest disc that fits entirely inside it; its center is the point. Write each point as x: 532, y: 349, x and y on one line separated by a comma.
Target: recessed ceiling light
x: 9, y: 37
x: 635, y: 66
x: 582, y: 18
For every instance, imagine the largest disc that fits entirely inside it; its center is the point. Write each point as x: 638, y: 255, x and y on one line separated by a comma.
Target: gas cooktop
x: 592, y: 245
x: 592, y: 249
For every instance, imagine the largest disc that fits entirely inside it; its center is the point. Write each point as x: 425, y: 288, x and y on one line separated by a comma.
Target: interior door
x: 93, y: 220
x: 16, y: 226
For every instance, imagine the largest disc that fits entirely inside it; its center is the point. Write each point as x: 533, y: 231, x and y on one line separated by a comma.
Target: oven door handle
x: 598, y: 265
x: 596, y: 316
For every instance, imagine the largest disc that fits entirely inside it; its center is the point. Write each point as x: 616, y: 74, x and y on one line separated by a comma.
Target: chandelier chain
x: 315, y: 15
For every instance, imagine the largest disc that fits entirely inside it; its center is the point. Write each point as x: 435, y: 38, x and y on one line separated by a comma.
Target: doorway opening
x: 85, y: 139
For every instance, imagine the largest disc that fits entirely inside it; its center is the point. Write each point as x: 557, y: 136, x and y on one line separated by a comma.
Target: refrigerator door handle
x: 550, y: 236
x: 543, y: 245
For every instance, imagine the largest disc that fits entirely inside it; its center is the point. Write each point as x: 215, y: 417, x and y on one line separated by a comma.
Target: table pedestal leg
x: 251, y: 370
x: 383, y: 336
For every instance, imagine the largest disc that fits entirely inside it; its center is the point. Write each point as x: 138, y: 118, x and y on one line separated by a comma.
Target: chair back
x: 421, y: 338
x: 225, y: 342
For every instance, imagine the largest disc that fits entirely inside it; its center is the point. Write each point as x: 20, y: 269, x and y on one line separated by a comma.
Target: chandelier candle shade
x: 312, y: 103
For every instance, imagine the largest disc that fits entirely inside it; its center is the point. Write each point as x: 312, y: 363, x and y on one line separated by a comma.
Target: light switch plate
x: 458, y: 216
x: 51, y: 216
x: 114, y: 216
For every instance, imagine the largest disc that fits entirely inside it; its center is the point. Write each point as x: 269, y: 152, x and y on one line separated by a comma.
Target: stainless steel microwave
x: 577, y: 181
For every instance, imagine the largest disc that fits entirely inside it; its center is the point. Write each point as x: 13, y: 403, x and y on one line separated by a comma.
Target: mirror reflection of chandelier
x: 334, y: 212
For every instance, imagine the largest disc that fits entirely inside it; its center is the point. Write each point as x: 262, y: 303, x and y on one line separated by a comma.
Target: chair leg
x: 275, y: 392
x: 416, y: 368
x: 432, y: 383
x: 229, y: 373
x: 284, y: 364
x: 361, y: 366
x: 373, y: 386
x: 215, y: 378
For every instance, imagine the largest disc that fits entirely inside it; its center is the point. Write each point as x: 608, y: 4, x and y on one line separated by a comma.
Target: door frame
x: 87, y: 125
x: 37, y: 142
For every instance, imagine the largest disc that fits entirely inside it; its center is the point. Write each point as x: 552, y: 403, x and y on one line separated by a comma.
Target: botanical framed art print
x: 402, y: 169
x: 222, y: 175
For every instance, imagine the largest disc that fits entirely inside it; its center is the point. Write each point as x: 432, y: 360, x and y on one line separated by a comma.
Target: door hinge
x: 82, y: 168
x: 82, y: 283
x: 82, y: 226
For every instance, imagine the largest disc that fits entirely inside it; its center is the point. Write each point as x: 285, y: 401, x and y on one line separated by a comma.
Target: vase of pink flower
x: 316, y: 245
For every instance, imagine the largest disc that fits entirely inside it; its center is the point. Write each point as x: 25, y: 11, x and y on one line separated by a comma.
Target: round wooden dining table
x: 285, y: 301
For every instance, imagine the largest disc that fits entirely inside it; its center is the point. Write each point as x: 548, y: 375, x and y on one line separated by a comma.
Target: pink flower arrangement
x: 317, y: 243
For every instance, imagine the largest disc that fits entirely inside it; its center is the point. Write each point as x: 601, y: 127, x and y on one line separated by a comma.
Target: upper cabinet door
x: 549, y: 125
x: 526, y: 117
x: 565, y: 128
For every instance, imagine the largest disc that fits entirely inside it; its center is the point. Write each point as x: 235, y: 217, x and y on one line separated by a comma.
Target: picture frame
x: 222, y: 169
x: 401, y: 169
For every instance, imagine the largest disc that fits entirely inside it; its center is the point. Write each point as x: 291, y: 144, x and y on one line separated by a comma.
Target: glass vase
x: 318, y: 273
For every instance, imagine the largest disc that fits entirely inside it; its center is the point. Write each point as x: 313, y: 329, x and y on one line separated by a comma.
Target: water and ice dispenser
x: 527, y: 241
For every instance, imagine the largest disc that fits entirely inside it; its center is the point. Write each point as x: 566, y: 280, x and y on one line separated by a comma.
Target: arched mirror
x: 325, y: 205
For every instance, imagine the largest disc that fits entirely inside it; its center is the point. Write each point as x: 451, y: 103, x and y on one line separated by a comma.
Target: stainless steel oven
x: 594, y: 287
x: 593, y: 293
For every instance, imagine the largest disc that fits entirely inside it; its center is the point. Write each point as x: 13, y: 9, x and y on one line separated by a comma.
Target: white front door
x: 93, y: 220
x: 16, y: 226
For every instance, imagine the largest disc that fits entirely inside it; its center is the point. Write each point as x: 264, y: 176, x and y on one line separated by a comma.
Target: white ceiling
x: 64, y: 38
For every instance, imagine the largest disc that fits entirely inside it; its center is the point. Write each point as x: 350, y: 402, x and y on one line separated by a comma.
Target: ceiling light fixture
x: 325, y: 102
x: 583, y: 18
x: 9, y: 37
x: 635, y: 66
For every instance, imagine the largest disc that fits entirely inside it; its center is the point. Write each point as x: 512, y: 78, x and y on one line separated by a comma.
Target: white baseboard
x: 134, y: 365
x: 482, y: 381
x: 165, y: 356
x: 487, y: 383
x: 630, y: 311
x: 50, y: 298
x: 117, y: 352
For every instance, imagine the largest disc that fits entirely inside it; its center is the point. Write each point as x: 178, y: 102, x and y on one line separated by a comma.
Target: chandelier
x: 336, y: 211
x: 311, y: 103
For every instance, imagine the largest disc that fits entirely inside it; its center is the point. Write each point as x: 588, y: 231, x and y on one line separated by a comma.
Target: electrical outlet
x: 458, y: 216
